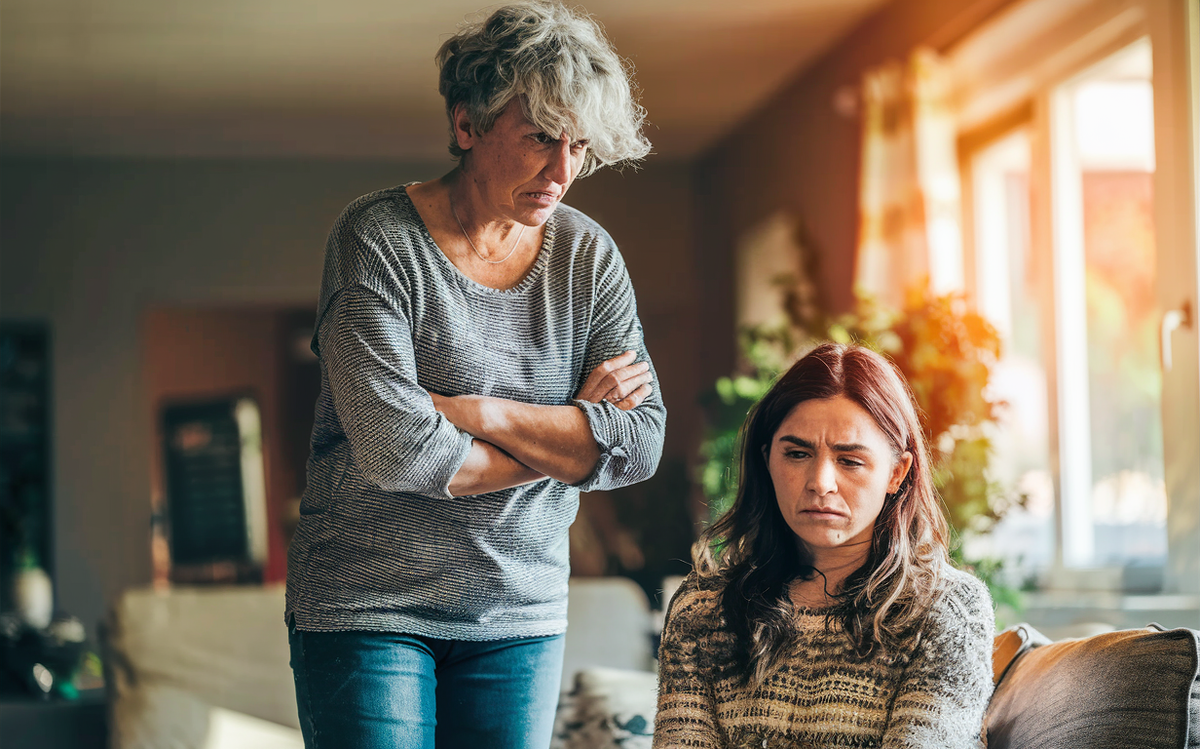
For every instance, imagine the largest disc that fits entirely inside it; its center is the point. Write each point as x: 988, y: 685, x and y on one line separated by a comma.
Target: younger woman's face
x: 832, y: 467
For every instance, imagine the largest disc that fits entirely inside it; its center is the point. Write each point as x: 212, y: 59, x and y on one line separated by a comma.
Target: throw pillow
x: 1010, y: 645
x: 1131, y: 688
x: 608, y: 709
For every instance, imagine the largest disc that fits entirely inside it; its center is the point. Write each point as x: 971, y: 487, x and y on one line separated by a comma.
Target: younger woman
x: 823, y: 610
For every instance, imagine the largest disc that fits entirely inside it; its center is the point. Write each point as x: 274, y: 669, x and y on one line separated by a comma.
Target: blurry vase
x: 33, y: 596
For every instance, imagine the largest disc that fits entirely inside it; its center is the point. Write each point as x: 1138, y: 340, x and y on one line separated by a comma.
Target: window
x: 1007, y: 287
x: 1114, y: 503
x: 1081, y: 245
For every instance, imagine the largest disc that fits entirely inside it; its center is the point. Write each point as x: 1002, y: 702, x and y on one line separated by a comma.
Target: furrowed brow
x: 850, y: 447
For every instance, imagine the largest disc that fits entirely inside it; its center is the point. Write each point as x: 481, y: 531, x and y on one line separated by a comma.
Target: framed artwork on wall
x: 216, y: 490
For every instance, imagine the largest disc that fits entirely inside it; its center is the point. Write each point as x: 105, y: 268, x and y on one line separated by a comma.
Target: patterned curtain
x: 909, y: 228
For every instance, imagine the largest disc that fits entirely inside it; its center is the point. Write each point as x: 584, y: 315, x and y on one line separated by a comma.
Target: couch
x: 207, y: 668
x: 1129, y: 689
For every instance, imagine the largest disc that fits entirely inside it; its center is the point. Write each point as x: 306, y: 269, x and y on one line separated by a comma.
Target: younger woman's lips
x: 822, y: 514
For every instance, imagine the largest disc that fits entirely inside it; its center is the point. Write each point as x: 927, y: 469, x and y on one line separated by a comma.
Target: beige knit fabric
x: 928, y: 695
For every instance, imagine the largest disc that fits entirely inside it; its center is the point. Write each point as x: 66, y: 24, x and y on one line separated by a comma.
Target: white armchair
x: 207, y: 667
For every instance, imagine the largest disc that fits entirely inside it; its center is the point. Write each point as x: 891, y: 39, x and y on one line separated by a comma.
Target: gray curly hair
x: 565, y: 71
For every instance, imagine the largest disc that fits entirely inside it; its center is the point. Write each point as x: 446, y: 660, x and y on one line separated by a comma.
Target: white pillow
x: 608, y: 709
x: 160, y: 716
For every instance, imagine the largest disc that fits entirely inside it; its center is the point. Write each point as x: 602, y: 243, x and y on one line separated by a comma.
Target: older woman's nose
x: 558, y: 169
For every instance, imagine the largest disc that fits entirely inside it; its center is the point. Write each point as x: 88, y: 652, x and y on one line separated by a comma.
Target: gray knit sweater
x: 381, y: 544
x: 928, y: 695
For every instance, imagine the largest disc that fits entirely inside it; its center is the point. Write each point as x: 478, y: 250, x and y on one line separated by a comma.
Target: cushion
x: 1010, y: 644
x: 158, y: 715
x: 608, y: 709
x: 609, y: 626
x: 1131, y: 688
x: 180, y: 662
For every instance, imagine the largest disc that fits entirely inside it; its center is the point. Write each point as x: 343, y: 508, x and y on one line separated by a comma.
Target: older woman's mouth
x: 548, y: 198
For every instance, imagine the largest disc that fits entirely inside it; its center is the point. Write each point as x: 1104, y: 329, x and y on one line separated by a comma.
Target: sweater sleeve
x: 941, y: 702
x: 686, y: 714
x: 630, y: 442
x: 398, y: 440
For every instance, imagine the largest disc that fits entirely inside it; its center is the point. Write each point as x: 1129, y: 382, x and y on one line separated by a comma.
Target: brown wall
x: 648, y: 213
x: 192, y: 354
x: 800, y: 156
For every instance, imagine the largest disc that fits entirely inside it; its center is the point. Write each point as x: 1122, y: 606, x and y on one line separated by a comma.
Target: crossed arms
x: 405, y: 438
x: 516, y: 443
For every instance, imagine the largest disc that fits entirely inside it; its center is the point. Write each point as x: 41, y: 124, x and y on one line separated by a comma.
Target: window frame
x: 1006, y: 74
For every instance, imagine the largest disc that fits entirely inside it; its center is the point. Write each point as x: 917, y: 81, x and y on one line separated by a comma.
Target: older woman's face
x: 832, y: 467
x: 521, y: 172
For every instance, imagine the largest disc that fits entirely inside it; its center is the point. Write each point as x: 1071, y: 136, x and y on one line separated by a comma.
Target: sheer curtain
x: 909, y: 227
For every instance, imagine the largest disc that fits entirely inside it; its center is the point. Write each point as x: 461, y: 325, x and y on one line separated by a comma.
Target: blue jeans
x: 380, y: 690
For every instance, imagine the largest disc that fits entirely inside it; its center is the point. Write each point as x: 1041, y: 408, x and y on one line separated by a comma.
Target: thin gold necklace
x: 473, y: 247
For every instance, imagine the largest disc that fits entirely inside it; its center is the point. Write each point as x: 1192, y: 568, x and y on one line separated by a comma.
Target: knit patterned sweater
x: 928, y: 696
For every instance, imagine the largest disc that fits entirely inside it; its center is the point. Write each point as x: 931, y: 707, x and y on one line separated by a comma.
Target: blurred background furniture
x: 207, y: 667
x: 53, y: 724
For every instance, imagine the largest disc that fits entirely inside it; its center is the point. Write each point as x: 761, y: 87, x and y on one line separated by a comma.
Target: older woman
x: 481, y: 363
x: 823, y: 610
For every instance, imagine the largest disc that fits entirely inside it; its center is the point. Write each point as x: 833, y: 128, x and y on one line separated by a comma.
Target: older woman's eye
x: 579, y: 145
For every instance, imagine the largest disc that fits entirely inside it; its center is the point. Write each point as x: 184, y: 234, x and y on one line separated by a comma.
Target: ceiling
x: 355, y: 78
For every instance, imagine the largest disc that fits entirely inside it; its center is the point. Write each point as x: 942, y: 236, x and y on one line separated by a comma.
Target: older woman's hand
x: 620, y: 381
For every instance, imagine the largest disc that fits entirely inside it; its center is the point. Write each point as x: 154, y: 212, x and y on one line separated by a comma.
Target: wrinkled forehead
x: 833, y: 421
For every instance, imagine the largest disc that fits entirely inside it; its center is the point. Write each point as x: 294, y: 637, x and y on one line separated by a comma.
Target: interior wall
x: 193, y: 354
x: 797, y: 158
x: 89, y: 246
x: 648, y: 213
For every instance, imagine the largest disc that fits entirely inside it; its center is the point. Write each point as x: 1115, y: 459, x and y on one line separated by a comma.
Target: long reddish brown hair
x: 755, y: 552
